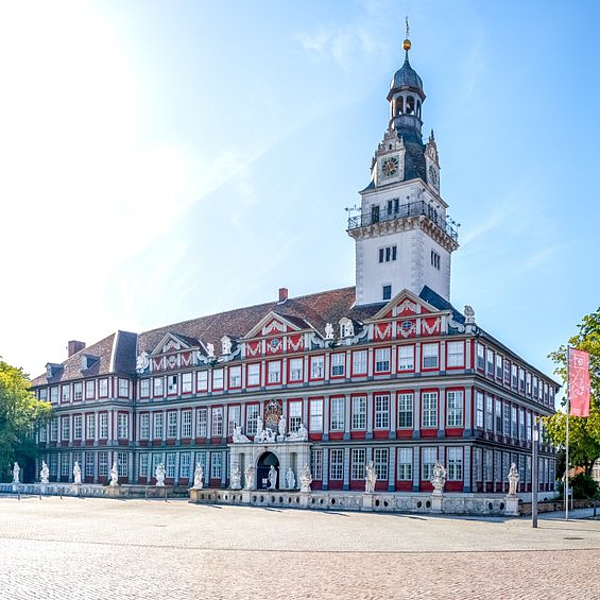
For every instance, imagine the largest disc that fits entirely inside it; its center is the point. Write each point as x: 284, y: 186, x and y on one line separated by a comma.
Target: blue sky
x: 168, y: 160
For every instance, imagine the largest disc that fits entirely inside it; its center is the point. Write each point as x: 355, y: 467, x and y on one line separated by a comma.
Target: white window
x: 77, y: 427
x: 513, y: 422
x: 172, y: 385
x: 235, y: 376
x: 338, y: 410
x: 186, y: 383
x: 145, y: 388
x: 382, y: 360
x: 316, y: 415
x: 54, y: 394
x: 103, y: 426
x: 218, y: 379
x: 102, y: 464
x: 90, y: 389
x: 102, y: 388
x: 316, y: 464
x: 405, y: 460
x: 65, y: 469
x: 336, y: 464
x: 521, y: 424
x: 144, y: 465
x: 455, y: 464
x: 498, y: 366
x: 359, y: 362
x: 429, y: 402
x: 158, y: 426
x: 406, y: 358
x: 274, y: 371
x: 170, y: 466
x: 65, y: 429
x: 359, y: 412
x: 506, y: 428
x: 122, y: 423
x: 382, y: 411
x: 123, y: 388
x: 145, y: 426
x: 202, y: 381
x: 506, y: 371
x: 521, y: 380
x: 480, y: 357
x: 338, y: 364
x: 479, y: 410
x: 252, y: 414
x: 513, y: 376
x: 317, y: 367
x: 186, y: 423
x: 528, y: 384
x: 430, y: 356
x: 489, y: 413
x: 489, y: 362
x: 158, y: 386
x: 89, y: 465
x: 54, y: 429
x: 405, y: 410
x: 295, y: 369
x: 456, y: 354
x: 253, y: 378
x: 381, y: 461
x: 454, y: 409
x: 216, y: 463
x: 217, y: 422
x: 295, y: 410
x: 184, y: 465
x: 201, y: 422
x: 42, y: 434
x: 172, y: 424
x: 233, y: 418
x: 357, y: 462
x: 428, y: 460
x: 122, y: 464
x: 78, y: 390
x: 498, y: 412
x: 65, y: 393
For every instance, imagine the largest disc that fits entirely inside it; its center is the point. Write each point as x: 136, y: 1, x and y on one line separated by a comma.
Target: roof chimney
x: 74, y: 346
x: 283, y: 295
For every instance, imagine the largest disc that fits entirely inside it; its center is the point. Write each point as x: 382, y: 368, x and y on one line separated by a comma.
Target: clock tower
x: 404, y: 238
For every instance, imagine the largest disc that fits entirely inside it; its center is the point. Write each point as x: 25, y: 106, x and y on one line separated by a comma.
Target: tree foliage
x: 20, y: 412
x: 584, y: 432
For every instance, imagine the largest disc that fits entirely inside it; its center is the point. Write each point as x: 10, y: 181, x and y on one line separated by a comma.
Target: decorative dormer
x: 53, y: 369
x: 88, y: 361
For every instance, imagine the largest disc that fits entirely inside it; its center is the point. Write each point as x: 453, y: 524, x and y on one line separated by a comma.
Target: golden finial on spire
x: 406, y: 42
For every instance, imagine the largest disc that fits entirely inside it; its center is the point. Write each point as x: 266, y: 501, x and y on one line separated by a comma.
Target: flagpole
x: 566, y: 486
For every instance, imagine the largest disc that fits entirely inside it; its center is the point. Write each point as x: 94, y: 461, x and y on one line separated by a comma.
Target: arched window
x: 399, y: 106
x: 419, y: 109
x: 410, y: 105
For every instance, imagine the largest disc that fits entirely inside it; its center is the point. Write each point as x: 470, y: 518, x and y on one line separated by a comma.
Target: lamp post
x: 534, y: 475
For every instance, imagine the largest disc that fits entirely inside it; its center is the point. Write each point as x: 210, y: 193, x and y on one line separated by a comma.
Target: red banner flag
x: 579, y: 383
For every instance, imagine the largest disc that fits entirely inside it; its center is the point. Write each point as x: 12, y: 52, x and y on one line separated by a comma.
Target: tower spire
x: 406, y: 43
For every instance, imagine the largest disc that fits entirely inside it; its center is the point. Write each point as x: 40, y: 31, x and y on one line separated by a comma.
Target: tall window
x: 316, y: 464
x: 158, y: 386
x: 145, y: 426
x: 201, y: 422
x: 218, y: 379
x: 217, y: 422
x: 202, y: 381
x: 54, y: 394
x: 506, y: 377
x: 429, y: 410
x: 186, y: 383
x: 406, y: 358
x: 381, y: 462
x: 102, y: 464
x: 513, y: 421
x: 455, y: 464
x: 158, y: 426
x: 498, y: 412
x: 123, y: 429
x: 359, y: 412
x: 336, y: 464
x: 454, y: 409
x: 186, y: 423
x: 65, y: 393
x: 90, y: 389
x: 77, y: 427
x: 170, y: 466
x: 382, y: 360
x: 253, y: 378
x: 489, y: 413
x: 498, y: 366
x: 54, y: 429
x: 144, y: 388
x: 295, y: 414
x: 233, y: 418
x: 65, y: 470
x: 338, y: 361
x: 521, y: 424
x: 456, y: 354
x: 103, y: 426
x: 480, y: 357
x: 405, y: 410
x: 382, y: 411
x: 489, y: 362
x: 123, y: 388
x: 89, y: 464
x: 405, y: 459
x: 122, y: 464
x: 506, y: 429
x: 235, y: 377
x: 216, y: 464
x: 316, y: 415
x: 430, y: 356
x: 65, y: 429
x: 274, y: 371
x: 295, y: 365
x: 317, y: 367
x: 184, y: 465
x: 359, y: 362
x: 172, y: 424
x: 78, y: 390
x: 357, y: 462
x: 428, y: 460
x: 252, y: 413
x: 479, y: 410
x: 338, y: 410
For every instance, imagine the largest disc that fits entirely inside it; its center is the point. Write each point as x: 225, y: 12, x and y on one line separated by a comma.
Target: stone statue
x: 44, y: 473
x: 16, y: 472
x: 225, y: 345
x: 210, y: 350
x: 347, y: 327
x: 469, y: 315
x: 305, y: 479
x: 160, y: 474
x: 142, y: 362
x: 198, y: 477
x: 76, y: 473
x: 513, y: 479
x: 272, y: 478
x: 329, y: 331
x: 259, y: 428
x: 370, y: 477
x: 438, y: 477
x: 249, y: 475
x: 290, y: 479
x: 114, y: 475
x: 281, y: 426
x: 300, y: 435
x: 238, y: 436
x: 236, y: 477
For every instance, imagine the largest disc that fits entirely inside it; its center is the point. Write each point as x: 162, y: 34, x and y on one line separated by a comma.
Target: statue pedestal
x: 436, y: 502
x: 195, y: 494
x: 367, y: 501
x: 303, y: 499
x: 512, y: 506
x: 113, y: 491
x: 246, y: 494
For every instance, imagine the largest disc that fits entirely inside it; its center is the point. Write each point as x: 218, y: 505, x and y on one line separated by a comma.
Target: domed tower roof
x: 406, y: 77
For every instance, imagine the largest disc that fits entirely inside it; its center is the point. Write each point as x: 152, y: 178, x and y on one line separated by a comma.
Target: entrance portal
x: 263, y: 466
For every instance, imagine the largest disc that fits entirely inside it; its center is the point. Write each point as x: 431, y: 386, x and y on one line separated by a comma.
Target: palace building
x: 387, y: 371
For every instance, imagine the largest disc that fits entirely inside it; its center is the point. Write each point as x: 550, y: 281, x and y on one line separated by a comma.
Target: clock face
x: 433, y: 176
x: 389, y: 166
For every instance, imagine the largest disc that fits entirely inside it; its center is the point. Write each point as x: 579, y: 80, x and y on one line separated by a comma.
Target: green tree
x: 20, y: 412
x: 584, y: 432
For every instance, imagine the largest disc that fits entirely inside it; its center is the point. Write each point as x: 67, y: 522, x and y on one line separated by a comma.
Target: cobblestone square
x: 96, y: 548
